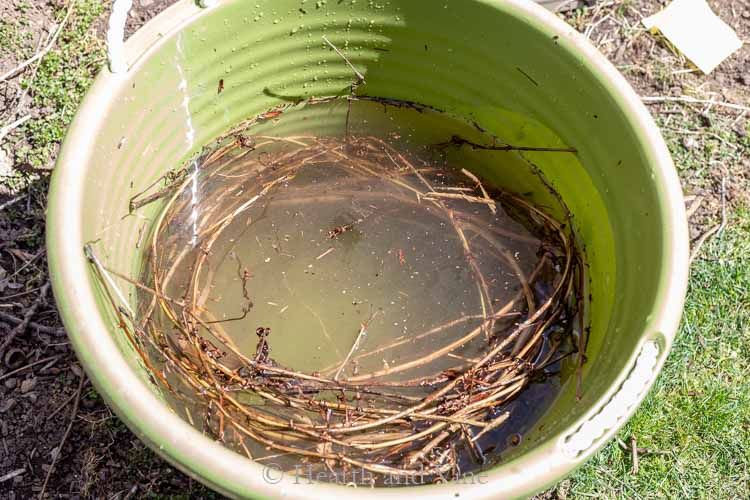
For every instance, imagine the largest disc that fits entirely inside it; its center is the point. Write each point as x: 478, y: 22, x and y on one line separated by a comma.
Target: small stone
x: 8, y: 405
x: 32, y: 396
x: 689, y: 143
x: 741, y: 129
x: 76, y: 368
x: 28, y: 385
x: 6, y: 170
x: 11, y: 383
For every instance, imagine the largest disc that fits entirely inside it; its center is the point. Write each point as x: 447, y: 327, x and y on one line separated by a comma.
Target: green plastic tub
x: 508, y: 65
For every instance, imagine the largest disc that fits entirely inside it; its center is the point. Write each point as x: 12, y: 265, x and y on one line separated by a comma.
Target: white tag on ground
x: 693, y: 28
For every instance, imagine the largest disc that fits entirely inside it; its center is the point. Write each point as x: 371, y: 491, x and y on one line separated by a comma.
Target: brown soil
x: 654, y: 69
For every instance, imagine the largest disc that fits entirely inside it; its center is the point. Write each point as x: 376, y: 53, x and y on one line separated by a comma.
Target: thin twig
x: 9, y: 127
x: 642, y: 451
x: 459, y: 196
x: 460, y: 141
x: 89, y: 252
x: 30, y: 365
x: 634, y: 454
x: 493, y: 425
x: 32, y: 324
x: 701, y: 241
x: 63, y: 405
x: 693, y: 100
x: 355, y: 346
x: 38, y: 254
x: 10, y: 475
x: 490, y: 201
x: 717, y: 229
x: 695, y: 204
x: 360, y: 76
x: 44, y: 51
x: 29, y: 83
x: 723, y: 205
x: 30, y: 312
x: 12, y: 201
x: 325, y: 253
x: 73, y: 415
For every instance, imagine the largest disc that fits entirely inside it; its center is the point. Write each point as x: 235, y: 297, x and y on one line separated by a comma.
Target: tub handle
x: 626, y: 397
x: 116, y: 33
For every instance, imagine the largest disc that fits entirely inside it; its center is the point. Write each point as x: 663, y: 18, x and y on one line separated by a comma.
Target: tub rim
x: 232, y: 474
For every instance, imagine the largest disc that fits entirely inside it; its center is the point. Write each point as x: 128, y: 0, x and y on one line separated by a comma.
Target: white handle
x: 625, y: 398
x: 116, y: 33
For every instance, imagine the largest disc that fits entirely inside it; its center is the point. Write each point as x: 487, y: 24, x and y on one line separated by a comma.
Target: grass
x: 700, y: 406
x: 62, y: 79
x: 699, y: 147
x: 13, y: 39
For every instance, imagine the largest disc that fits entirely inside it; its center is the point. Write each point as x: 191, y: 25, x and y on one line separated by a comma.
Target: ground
x: 697, y: 417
